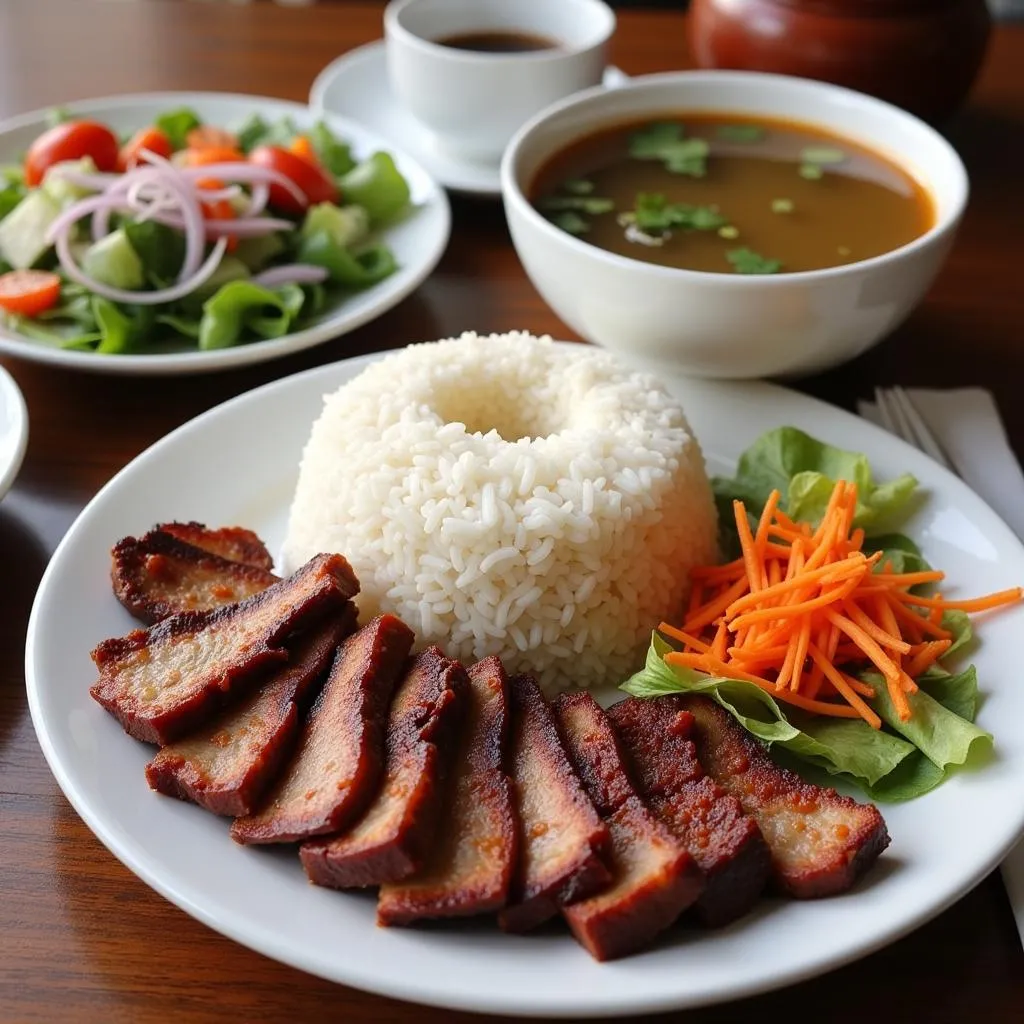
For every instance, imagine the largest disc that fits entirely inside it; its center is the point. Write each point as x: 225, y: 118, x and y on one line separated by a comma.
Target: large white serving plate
x: 13, y: 430
x: 418, y: 240
x: 238, y: 464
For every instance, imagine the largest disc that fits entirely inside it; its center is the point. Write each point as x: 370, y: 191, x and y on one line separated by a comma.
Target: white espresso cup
x: 475, y: 101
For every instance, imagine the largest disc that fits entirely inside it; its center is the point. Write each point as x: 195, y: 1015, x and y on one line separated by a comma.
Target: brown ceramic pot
x: 920, y: 54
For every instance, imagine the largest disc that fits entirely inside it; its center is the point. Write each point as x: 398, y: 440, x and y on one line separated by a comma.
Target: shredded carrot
x: 803, y: 612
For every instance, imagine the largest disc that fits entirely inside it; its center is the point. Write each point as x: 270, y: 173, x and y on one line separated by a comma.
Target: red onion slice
x: 177, y: 291
x: 291, y: 273
x: 245, y: 173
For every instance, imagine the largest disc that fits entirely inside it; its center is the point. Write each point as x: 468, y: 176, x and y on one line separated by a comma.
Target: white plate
x: 355, y: 85
x: 418, y: 241
x: 13, y: 430
x: 943, y: 843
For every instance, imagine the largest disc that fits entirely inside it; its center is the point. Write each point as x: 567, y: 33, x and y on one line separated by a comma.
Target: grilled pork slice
x: 163, y: 681
x: 158, y: 575
x: 227, y: 765
x: 655, y: 737
x: 654, y: 879
x: 231, y: 542
x: 820, y: 842
x: 469, y: 867
x: 562, y: 840
x: 392, y: 839
x: 336, y: 767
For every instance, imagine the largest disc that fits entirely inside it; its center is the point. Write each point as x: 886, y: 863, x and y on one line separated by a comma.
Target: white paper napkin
x: 967, y: 425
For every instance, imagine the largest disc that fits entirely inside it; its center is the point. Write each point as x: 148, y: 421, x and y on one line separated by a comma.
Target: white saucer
x: 355, y: 85
x: 13, y: 430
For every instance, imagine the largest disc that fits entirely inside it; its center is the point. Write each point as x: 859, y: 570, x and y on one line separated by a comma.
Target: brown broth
x: 497, y: 42
x: 859, y: 208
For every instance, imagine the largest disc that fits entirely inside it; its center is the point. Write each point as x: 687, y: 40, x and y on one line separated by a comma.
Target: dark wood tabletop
x: 81, y: 938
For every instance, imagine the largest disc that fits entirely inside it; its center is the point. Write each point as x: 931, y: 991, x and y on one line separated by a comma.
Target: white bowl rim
x: 513, y: 193
x: 393, y: 26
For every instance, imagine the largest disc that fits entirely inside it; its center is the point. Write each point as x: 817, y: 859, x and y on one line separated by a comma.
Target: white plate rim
x: 14, y: 443
x: 339, y: 324
x: 398, y: 986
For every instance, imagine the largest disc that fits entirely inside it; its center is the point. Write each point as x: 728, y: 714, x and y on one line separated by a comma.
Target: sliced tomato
x: 314, y: 182
x: 151, y: 139
x: 206, y: 136
x: 210, y: 155
x: 218, y: 209
x: 301, y: 146
x: 29, y: 292
x: 71, y: 140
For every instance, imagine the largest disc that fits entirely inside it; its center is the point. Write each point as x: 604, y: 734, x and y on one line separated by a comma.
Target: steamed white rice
x: 507, y: 495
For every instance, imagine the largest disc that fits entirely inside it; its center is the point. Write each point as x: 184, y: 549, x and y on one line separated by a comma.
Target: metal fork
x: 900, y: 417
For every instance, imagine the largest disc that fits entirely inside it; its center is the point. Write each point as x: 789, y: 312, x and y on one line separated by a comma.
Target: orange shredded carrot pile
x: 804, y: 611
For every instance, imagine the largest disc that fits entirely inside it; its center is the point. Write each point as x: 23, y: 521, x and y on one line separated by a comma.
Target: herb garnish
x: 570, y: 221
x: 593, y: 205
x: 653, y: 213
x: 730, y: 231
x: 815, y: 158
x: 578, y: 186
x: 745, y: 261
x: 782, y: 206
x: 664, y: 141
x: 740, y: 132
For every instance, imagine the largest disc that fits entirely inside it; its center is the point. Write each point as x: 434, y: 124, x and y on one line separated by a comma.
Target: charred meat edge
x: 654, y: 879
x: 234, y: 543
x: 562, y: 840
x: 164, y: 681
x: 337, y: 763
x: 393, y: 837
x: 820, y: 841
x: 470, y: 866
x: 158, y: 575
x: 655, y: 737
x: 228, y: 764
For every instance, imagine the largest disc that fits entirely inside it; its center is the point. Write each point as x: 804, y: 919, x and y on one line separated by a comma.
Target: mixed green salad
x: 188, y: 233
x: 909, y: 754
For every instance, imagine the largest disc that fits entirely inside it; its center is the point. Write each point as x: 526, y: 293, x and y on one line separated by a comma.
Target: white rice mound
x: 509, y: 495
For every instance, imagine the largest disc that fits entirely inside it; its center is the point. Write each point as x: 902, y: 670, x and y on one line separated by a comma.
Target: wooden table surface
x: 82, y: 939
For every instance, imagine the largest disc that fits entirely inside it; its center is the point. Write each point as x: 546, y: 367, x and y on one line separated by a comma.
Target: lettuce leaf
x: 804, y: 470
x: 940, y: 736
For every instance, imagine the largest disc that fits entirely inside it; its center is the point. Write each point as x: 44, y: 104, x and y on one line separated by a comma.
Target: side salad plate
x: 943, y: 842
x: 189, y: 232
x: 13, y: 430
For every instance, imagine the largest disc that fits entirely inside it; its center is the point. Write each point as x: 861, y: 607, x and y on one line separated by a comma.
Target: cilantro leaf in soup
x: 740, y: 132
x: 654, y: 213
x: 811, y: 172
x: 822, y: 155
x: 571, y: 221
x: 592, y: 205
x: 577, y: 186
x: 176, y: 124
x: 782, y: 206
x: 746, y: 261
x: 665, y: 141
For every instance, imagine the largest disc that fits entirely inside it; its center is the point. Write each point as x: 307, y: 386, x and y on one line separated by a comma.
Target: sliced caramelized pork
x: 158, y: 575
x: 231, y: 542
x: 820, y: 842
x: 163, y: 681
x: 227, y: 765
x: 391, y: 840
x: 561, y: 837
x: 336, y: 767
x: 654, y: 879
x: 655, y: 737
x: 470, y: 864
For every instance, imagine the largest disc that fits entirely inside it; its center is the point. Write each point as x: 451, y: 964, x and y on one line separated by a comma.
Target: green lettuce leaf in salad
x: 10, y: 196
x: 350, y: 269
x: 160, y: 248
x: 176, y: 124
x: 334, y: 154
x: 378, y: 187
x: 805, y: 470
x: 241, y: 306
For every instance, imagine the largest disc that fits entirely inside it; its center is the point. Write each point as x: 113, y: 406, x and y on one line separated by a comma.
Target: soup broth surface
x: 731, y: 195
x: 498, y: 42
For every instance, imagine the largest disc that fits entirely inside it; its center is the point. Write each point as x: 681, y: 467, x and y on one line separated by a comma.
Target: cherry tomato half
x: 317, y: 185
x: 29, y: 292
x: 71, y: 141
x: 151, y: 139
